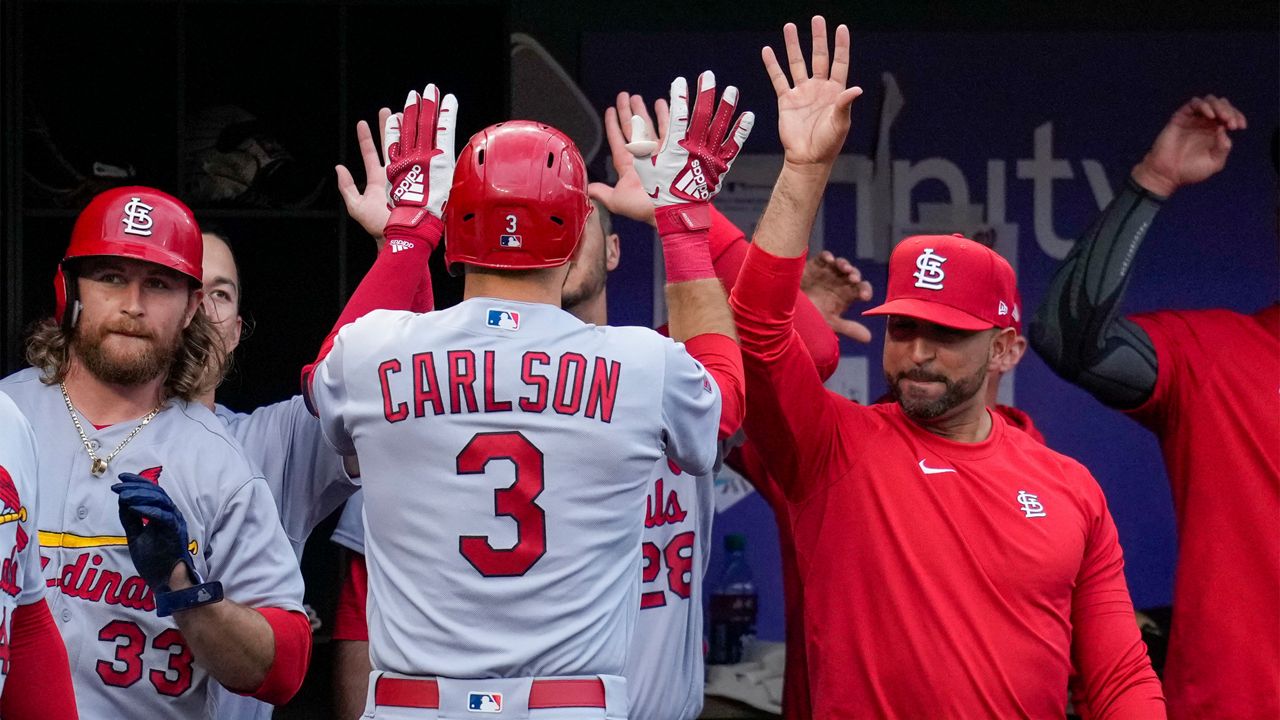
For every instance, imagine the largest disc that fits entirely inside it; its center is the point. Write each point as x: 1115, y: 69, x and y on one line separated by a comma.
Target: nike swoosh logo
x: 934, y: 471
x: 654, y: 194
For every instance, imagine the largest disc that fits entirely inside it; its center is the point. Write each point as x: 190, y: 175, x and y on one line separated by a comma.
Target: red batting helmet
x: 134, y: 222
x: 519, y: 199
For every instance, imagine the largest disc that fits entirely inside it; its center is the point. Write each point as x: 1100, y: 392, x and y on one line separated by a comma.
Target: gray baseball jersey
x: 20, y: 579
x: 504, y: 450
x: 665, y: 665
x: 349, y: 532
x: 125, y: 660
x: 307, y: 480
x: 664, y: 668
x: 305, y: 475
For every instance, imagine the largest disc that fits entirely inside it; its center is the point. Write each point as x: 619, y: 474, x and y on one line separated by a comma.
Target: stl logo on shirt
x: 1030, y: 504
x: 505, y: 319
x: 484, y: 702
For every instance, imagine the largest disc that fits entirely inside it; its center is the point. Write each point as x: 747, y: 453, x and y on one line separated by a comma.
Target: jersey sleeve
x: 1115, y: 674
x: 690, y: 411
x: 23, y: 468
x: 791, y: 418
x: 398, y: 280
x: 314, y: 482
x: 249, y: 553
x: 1164, y: 329
x: 329, y: 397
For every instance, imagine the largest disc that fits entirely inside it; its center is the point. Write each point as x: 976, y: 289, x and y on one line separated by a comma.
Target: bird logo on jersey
x: 484, y: 702
x: 11, y: 509
x: 504, y: 319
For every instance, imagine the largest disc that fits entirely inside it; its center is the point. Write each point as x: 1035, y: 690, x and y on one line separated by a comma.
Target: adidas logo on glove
x: 410, y: 188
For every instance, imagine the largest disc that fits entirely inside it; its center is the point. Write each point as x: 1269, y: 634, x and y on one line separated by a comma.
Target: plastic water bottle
x: 732, y: 625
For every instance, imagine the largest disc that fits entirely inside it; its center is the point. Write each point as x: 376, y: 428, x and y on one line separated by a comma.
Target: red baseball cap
x: 953, y: 281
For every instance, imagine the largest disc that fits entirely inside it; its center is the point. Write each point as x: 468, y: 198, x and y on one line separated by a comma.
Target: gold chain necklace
x: 98, y: 466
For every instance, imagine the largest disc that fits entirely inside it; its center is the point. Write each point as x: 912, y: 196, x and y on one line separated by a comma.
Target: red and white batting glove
x: 420, y: 161
x: 687, y: 171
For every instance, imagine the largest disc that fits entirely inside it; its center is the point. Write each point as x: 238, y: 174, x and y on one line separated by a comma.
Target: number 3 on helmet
x: 519, y: 199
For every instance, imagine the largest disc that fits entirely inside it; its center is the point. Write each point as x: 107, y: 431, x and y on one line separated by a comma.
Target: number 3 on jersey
x: 517, y: 502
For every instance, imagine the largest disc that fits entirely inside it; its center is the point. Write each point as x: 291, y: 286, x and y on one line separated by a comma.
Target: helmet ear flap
x: 66, y: 310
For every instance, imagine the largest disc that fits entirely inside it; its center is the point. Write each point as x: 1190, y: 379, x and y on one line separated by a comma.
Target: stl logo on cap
x: 929, y: 274
x: 137, y: 217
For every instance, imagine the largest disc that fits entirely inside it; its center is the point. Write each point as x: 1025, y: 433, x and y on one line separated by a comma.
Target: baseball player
x: 168, y: 564
x: 1192, y: 378
x: 31, y: 651
x: 552, y: 424
x: 943, y: 554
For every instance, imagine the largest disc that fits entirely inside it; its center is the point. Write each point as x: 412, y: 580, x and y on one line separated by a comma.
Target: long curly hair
x: 198, y: 365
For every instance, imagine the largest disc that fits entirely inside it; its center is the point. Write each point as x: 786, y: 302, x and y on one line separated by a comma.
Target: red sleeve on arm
x: 292, y: 632
x: 729, y: 250
x: 1115, y: 674
x: 37, y: 661
x: 719, y: 354
x: 349, y: 622
x: 394, y: 282
x: 790, y: 416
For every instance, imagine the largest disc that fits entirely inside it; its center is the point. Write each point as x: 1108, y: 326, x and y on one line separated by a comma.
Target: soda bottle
x: 732, y: 625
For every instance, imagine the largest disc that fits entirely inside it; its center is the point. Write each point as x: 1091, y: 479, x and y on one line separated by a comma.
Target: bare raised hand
x: 1192, y: 147
x: 368, y: 206
x: 621, y: 127
x: 833, y: 285
x: 813, y: 111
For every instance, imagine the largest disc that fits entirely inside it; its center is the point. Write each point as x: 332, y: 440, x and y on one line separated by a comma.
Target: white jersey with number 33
x: 505, y: 450
x: 126, y: 661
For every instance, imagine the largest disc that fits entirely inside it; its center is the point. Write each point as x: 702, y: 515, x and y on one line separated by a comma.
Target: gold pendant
x: 99, y: 467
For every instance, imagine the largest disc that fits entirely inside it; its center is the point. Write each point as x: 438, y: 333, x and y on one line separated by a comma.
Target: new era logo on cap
x: 950, y: 280
x: 482, y: 702
x: 504, y: 319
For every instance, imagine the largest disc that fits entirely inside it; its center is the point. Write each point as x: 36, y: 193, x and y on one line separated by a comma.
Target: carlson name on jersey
x: 456, y: 381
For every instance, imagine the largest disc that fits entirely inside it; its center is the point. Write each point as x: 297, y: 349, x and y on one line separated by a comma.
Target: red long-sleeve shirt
x: 941, y: 579
x: 1215, y: 411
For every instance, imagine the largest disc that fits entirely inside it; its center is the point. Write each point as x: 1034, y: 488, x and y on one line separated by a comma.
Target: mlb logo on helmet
x: 504, y: 319
x: 510, y: 241
x: 484, y: 702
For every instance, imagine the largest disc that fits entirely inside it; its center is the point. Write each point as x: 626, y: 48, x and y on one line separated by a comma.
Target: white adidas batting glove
x: 420, y: 157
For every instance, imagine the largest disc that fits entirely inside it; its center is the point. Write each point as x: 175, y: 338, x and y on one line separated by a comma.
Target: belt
x: 543, y: 695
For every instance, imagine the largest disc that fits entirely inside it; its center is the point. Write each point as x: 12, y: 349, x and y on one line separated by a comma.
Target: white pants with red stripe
x: 401, y: 697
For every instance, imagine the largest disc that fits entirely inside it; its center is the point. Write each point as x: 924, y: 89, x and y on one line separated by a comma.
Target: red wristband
x: 412, y: 224
x: 686, y: 244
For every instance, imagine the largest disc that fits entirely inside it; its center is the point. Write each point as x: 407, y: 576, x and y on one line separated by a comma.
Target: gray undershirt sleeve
x: 1077, y: 329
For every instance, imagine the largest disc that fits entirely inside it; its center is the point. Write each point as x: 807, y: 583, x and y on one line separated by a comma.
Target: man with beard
x: 953, y: 567
x: 186, y: 577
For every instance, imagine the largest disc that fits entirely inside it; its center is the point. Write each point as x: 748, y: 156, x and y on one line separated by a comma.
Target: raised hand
x: 1192, y: 147
x: 369, y: 206
x: 813, y: 111
x: 833, y: 284
x: 629, y: 128
x: 420, y: 157
x: 696, y: 153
